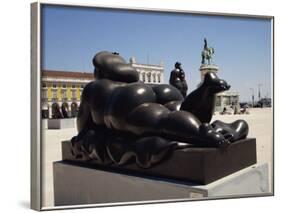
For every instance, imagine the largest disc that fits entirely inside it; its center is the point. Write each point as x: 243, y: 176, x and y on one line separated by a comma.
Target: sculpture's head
x: 113, y: 67
x: 178, y: 65
x: 214, y: 83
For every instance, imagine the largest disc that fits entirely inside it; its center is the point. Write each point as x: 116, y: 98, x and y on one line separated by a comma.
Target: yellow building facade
x: 62, y: 91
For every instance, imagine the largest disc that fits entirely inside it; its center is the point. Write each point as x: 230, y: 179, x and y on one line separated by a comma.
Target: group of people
x: 234, y: 110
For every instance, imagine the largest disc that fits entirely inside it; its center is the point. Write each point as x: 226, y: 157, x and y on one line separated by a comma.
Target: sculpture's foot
x: 234, y: 131
x: 213, y: 138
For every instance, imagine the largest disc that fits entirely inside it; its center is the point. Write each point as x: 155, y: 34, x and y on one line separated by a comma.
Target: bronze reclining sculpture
x: 120, y: 117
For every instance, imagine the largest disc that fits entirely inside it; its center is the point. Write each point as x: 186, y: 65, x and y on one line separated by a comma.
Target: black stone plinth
x: 193, y: 164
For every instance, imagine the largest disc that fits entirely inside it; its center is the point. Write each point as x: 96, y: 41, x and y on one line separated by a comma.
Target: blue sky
x: 73, y: 35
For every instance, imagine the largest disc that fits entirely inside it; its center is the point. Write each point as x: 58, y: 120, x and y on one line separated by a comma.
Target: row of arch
x: 66, y: 110
x: 150, y: 77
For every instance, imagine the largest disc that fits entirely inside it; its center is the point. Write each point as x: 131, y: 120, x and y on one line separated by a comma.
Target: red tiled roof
x: 67, y: 74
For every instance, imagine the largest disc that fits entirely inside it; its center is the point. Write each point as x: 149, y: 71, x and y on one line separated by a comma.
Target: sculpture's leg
x: 203, y: 58
x: 155, y: 119
x: 187, y: 128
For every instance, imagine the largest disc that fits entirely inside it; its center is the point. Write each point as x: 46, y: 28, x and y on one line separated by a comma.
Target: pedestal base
x: 61, y: 123
x: 44, y: 123
x: 196, y: 164
x: 76, y: 185
x: 204, y: 68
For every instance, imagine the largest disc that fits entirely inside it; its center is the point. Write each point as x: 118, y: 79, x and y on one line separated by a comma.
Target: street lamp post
x: 259, y: 87
x: 253, y: 97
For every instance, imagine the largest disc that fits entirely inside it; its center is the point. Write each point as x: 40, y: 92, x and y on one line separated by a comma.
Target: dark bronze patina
x: 177, y: 79
x: 120, y: 118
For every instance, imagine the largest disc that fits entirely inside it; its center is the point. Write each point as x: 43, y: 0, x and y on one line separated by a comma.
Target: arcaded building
x: 62, y: 89
x: 149, y: 73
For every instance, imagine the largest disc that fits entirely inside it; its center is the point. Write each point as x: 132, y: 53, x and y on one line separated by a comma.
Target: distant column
x: 50, y: 110
x: 205, y: 68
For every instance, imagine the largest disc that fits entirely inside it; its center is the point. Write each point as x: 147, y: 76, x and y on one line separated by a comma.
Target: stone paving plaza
x: 260, y: 122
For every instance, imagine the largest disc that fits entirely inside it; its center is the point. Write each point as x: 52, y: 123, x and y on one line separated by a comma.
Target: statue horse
x: 207, y: 54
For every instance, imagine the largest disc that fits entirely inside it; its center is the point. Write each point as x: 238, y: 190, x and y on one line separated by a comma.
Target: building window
x: 55, y: 95
x: 234, y: 100
x: 154, y: 77
x: 44, y: 94
x: 159, y: 78
x: 73, y: 86
x: 226, y: 100
x: 64, y: 86
x: 54, y: 86
x: 143, y: 77
x: 63, y: 94
x: 82, y: 86
x: 218, y: 101
x: 44, y: 85
x: 74, y: 94
x: 149, y: 77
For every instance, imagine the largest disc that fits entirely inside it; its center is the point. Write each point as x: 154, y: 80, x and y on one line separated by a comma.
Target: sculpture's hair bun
x: 113, y: 67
